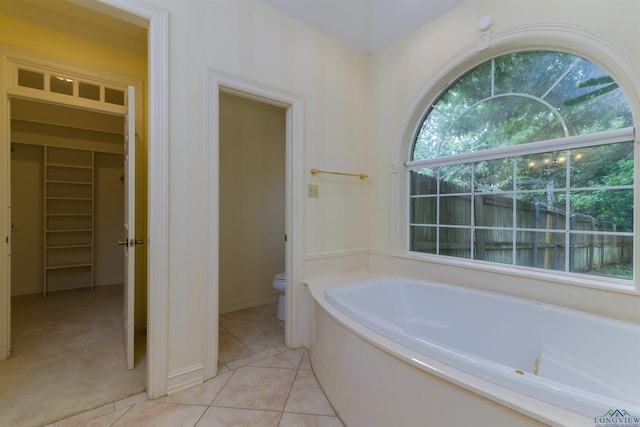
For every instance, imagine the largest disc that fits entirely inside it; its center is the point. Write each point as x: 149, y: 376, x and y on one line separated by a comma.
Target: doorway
x: 67, y: 215
x: 252, y: 201
x: 154, y: 22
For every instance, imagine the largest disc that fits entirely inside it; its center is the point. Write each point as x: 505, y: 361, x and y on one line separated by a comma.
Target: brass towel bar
x: 359, y: 175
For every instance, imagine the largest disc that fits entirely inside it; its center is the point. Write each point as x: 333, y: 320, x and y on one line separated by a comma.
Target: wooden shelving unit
x: 68, y: 218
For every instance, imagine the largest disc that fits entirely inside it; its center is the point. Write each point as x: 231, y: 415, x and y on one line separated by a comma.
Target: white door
x: 130, y: 241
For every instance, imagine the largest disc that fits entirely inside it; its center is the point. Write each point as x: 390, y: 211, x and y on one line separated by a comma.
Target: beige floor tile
x: 130, y: 401
x: 289, y: 359
x: 230, y: 348
x: 201, y: 394
x: 154, y: 414
x: 83, y: 417
x: 105, y: 420
x: 254, y: 332
x: 276, y: 341
x: 303, y: 420
x: 225, y: 417
x: 253, y: 358
x: 240, y: 318
x: 257, y: 388
x: 307, y: 397
x: 268, y: 309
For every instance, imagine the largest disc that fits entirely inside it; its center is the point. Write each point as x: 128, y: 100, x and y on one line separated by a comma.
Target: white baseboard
x: 185, y: 378
x: 247, y: 303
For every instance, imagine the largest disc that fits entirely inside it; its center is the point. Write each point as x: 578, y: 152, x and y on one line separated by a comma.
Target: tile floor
x: 260, y: 382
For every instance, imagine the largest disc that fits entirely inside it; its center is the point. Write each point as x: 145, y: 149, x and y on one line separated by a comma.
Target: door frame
x: 215, y: 82
x: 156, y: 20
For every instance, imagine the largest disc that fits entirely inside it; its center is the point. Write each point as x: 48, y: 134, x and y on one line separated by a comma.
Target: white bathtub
x: 485, y: 343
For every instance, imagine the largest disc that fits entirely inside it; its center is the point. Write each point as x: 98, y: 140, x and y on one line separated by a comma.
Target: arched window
x: 527, y: 160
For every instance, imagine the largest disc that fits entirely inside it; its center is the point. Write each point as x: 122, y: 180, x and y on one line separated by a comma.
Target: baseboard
x: 108, y: 282
x: 247, y: 303
x: 185, y: 378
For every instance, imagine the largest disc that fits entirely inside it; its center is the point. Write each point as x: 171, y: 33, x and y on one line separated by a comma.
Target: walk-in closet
x: 67, y: 195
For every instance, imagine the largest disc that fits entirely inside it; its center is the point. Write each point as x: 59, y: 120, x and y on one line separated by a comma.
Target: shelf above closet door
x: 68, y: 211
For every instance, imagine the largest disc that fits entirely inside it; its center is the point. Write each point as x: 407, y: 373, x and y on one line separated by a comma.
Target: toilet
x: 280, y: 283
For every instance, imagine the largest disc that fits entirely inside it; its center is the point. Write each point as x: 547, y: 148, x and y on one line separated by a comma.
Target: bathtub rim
x: 531, y: 407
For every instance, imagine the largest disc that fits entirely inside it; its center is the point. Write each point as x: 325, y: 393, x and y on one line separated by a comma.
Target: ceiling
x: 367, y: 25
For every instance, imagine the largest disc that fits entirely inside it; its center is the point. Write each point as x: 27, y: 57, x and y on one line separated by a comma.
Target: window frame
x: 567, y: 142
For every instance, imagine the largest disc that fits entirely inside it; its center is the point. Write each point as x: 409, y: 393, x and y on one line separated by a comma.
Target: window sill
x: 597, y: 282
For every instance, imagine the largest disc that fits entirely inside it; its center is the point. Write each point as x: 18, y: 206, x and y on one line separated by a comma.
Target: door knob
x: 123, y: 242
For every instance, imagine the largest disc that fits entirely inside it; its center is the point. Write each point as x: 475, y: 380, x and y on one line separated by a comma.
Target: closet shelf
x: 68, y: 198
x: 69, y: 166
x: 68, y: 210
x: 69, y: 214
x: 55, y: 181
x: 61, y: 266
x: 69, y: 230
x: 71, y: 246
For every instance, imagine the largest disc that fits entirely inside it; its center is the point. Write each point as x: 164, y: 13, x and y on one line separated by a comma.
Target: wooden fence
x: 541, y: 239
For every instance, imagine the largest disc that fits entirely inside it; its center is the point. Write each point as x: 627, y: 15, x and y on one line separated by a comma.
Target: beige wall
x: 256, y: 42
x: 252, y: 200
x: 27, y: 164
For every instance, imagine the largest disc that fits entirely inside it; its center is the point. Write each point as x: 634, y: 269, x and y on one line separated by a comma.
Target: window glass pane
x: 607, y: 209
x: 472, y: 88
x: 494, y: 245
x: 501, y: 122
x: 455, y: 178
x: 113, y: 96
x: 424, y: 181
x: 603, y: 165
x: 602, y: 255
x: 455, y: 210
x: 455, y: 242
x: 32, y: 79
x: 423, y: 239
x: 89, y: 91
x: 493, y: 175
x: 590, y: 100
x: 59, y: 84
x: 493, y: 210
x: 424, y: 210
x: 429, y: 138
x: 542, y: 171
x: 541, y: 250
x: 531, y: 72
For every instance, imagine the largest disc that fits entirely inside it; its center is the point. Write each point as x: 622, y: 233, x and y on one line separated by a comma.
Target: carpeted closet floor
x: 67, y: 356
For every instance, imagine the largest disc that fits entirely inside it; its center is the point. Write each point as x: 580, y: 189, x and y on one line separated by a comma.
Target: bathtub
x: 434, y: 354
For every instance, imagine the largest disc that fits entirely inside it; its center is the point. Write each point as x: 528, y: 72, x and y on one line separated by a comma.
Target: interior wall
x: 27, y: 204
x: 256, y: 42
x: 252, y: 200
x: 38, y: 39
